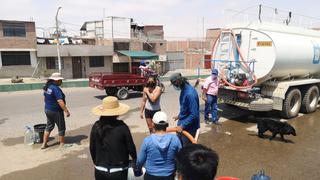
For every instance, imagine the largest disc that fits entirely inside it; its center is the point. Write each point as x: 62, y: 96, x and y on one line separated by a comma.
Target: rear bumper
x: 252, y: 104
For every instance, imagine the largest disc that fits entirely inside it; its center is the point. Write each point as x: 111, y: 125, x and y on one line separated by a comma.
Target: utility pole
x: 112, y: 27
x: 58, y: 41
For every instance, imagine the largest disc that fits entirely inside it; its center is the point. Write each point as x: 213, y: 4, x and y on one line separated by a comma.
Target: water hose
x: 185, y: 133
x: 242, y: 62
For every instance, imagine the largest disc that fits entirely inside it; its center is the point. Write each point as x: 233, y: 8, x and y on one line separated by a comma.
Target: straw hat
x: 56, y: 76
x: 110, y: 107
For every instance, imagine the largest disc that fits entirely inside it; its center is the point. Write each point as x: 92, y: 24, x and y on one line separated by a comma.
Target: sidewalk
x: 36, y: 83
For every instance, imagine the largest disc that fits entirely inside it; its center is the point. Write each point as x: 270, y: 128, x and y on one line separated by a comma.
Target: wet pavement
x: 241, y: 152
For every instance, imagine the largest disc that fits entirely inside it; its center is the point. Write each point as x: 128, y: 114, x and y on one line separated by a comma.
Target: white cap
x: 56, y: 76
x: 160, y: 118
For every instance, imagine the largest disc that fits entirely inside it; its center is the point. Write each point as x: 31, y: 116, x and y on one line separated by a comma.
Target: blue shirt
x: 157, y: 154
x: 189, y: 116
x: 51, y: 96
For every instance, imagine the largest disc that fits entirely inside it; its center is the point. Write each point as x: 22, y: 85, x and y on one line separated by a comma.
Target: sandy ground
x: 241, y: 152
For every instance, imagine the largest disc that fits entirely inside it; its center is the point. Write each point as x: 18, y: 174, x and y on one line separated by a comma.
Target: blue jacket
x: 51, y: 96
x: 189, y: 116
x: 157, y: 154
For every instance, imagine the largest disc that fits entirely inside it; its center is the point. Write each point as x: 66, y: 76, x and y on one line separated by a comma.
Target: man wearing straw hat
x: 55, y: 106
x: 111, y: 141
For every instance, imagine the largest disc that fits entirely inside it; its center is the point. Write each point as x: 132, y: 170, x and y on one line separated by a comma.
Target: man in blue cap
x: 188, y: 118
x: 210, y: 89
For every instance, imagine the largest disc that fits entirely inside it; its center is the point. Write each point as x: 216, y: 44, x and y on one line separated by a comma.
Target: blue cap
x: 215, y: 71
x: 142, y: 63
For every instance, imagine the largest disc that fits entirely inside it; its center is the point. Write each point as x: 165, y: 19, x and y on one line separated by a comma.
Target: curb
x: 66, y: 84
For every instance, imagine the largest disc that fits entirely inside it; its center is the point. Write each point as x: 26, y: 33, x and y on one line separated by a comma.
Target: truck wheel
x: 163, y: 88
x: 310, y: 100
x: 111, y: 91
x: 291, y: 104
x: 122, y: 93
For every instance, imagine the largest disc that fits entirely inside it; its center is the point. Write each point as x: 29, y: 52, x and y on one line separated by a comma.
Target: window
x: 14, y: 30
x: 149, y: 47
x: 118, y: 46
x: 52, y: 63
x: 96, y: 61
x: 13, y: 58
x: 120, y: 67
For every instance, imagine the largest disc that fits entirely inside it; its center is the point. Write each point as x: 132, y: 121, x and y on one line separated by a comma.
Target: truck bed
x: 102, y: 80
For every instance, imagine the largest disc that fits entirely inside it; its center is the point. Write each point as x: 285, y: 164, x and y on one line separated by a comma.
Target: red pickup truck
x: 117, y: 84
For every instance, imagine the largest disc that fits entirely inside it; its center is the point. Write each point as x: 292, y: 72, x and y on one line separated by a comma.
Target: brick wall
x: 28, y: 42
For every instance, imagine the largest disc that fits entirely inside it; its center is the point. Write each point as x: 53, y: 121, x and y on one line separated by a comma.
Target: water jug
x: 260, y: 176
x: 28, y: 136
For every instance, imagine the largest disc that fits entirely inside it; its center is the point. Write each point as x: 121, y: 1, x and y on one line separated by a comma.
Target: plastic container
x: 260, y: 176
x: 38, y: 132
x: 28, y: 136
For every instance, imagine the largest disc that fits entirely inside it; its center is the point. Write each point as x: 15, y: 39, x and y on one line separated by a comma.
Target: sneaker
x: 216, y: 123
x: 206, y: 121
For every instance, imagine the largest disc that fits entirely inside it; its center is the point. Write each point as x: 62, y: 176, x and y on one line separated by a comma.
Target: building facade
x: 17, y: 48
x: 126, y: 35
x: 77, y: 61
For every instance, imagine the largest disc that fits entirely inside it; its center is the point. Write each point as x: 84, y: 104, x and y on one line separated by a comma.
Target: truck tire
x: 310, y: 100
x: 122, y: 93
x: 111, y: 91
x: 291, y: 104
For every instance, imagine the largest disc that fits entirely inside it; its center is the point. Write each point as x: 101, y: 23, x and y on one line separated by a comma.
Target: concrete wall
x: 28, y: 42
x: 67, y: 70
x: 21, y: 70
x: 107, y: 66
x: 175, y: 61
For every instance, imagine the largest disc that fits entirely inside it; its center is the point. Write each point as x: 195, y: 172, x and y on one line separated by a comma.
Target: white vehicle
x: 267, y: 66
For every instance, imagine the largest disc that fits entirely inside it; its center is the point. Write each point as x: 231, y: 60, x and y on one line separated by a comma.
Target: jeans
x: 211, y: 105
x: 151, y: 177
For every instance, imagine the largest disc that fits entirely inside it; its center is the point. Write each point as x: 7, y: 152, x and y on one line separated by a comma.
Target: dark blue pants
x: 211, y: 106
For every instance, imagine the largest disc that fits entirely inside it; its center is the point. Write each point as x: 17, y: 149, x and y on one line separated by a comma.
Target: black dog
x: 275, y: 126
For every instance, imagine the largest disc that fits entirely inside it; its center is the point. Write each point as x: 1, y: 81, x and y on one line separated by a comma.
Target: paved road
x: 241, y: 154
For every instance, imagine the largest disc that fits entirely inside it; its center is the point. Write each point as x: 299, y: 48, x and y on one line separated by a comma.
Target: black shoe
x: 206, y: 121
x: 216, y: 123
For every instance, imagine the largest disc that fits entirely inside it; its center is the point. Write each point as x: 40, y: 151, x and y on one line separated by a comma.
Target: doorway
x: 76, y: 67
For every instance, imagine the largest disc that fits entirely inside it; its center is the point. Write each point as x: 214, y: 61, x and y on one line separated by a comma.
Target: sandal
x: 44, y: 146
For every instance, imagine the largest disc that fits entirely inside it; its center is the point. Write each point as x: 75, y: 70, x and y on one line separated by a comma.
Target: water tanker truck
x: 266, y: 66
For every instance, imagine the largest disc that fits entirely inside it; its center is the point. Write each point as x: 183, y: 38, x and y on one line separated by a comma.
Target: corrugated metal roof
x: 74, y: 50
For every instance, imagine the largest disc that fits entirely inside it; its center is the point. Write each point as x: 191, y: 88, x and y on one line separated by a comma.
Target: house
x: 17, y: 48
x: 132, y: 42
x: 78, y: 58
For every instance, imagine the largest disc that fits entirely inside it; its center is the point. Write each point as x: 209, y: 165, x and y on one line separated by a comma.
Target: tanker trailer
x: 266, y: 66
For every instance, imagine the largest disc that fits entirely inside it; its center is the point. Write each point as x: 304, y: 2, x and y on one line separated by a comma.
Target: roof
x: 140, y: 54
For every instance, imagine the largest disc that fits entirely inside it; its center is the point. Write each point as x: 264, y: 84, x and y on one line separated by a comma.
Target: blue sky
x: 181, y: 18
